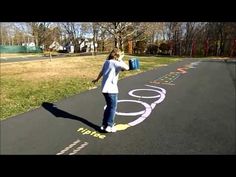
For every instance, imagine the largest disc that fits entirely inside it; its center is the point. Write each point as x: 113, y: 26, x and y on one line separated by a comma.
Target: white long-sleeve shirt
x: 110, y: 73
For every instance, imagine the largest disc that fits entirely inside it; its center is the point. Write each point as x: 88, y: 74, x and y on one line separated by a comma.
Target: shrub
x: 152, y: 49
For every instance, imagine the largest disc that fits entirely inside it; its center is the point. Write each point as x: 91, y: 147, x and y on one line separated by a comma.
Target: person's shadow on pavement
x: 60, y: 113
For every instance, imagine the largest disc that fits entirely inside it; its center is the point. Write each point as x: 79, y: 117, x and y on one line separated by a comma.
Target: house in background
x: 84, y: 45
x: 87, y: 45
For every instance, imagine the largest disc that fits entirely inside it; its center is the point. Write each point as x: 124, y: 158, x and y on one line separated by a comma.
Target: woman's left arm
x: 98, y: 77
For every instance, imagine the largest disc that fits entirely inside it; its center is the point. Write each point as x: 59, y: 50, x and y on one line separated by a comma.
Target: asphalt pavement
x: 186, y: 107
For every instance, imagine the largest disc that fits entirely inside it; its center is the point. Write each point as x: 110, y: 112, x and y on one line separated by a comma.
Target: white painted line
x: 68, y: 147
x: 79, y: 148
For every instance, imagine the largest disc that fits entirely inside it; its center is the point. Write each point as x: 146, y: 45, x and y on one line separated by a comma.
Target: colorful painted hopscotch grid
x: 167, y: 79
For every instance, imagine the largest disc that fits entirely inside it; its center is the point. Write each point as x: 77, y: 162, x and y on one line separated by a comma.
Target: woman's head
x: 115, y: 54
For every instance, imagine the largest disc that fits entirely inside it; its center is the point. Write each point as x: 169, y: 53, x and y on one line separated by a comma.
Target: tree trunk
x: 121, y: 43
x: 206, y: 48
x: 233, y: 48
x: 103, y: 46
x: 94, y: 37
x: 130, y: 47
x: 116, y: 43
x: 94, y: 46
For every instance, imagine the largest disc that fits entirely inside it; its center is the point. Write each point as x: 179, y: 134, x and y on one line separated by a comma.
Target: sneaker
x: 110, y: 129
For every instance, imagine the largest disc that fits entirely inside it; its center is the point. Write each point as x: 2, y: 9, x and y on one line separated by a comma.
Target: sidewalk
x: 18, y: 55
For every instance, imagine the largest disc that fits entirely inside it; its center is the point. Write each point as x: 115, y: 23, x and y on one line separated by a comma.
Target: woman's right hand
x: 121, y: 56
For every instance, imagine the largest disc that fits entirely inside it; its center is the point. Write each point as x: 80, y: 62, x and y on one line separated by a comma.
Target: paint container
x: 134, y: 64
x: 137, y: 63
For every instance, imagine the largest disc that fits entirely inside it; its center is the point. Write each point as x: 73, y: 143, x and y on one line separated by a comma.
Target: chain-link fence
x: 20, y: 49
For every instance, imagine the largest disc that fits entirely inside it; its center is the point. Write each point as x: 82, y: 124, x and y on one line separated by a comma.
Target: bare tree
x: 103, y: 37
x: 120, y: 31
x: 39, y: 30
x: 7, y: 33
x: 174, y: 33
x: 3, y: 35
x: 95, y: 28
x: 220, y: 35
x: 153, y: 31
x: 193, y: 32
x: 75, y: 32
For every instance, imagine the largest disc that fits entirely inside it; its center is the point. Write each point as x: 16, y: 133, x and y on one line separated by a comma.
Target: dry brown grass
x: 82, y: 67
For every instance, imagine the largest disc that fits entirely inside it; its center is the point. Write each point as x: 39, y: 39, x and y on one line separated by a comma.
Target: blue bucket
x: 137, y: 63
x: 134, y: 64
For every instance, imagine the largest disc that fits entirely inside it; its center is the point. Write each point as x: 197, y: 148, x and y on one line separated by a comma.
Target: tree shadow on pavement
x: 63, y: 114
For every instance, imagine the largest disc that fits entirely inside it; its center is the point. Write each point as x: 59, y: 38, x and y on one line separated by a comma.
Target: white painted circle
x: 148, y: 108
x: 162, y: 90
x: 137, y: 96
x: 132, y: 113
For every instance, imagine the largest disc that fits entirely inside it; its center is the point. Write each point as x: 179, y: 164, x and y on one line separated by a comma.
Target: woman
x: 110, y: 73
